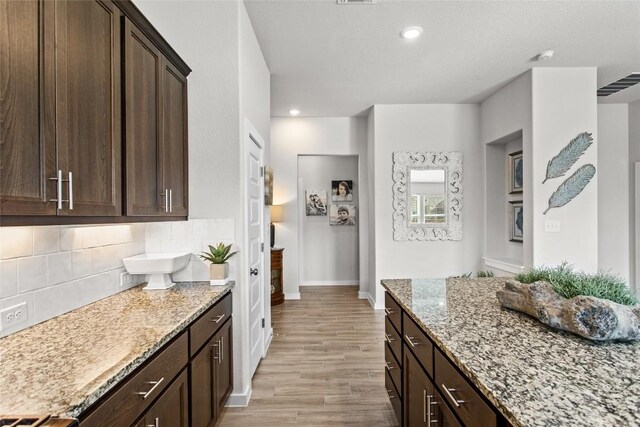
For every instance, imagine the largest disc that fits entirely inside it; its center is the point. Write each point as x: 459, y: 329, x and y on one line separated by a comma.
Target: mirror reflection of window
x: 427, y: 196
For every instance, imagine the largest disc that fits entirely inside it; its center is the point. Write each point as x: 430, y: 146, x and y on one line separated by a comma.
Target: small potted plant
x: 219, y: 268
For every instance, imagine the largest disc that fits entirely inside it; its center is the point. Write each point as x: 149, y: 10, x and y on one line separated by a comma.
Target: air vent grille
x: 617, y: 86
x: 341, y: 2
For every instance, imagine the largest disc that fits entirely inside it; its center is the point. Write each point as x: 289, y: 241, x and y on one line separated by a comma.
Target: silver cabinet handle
x: 389, y: 366
x: 170, y: 200
x: 217, y: 345
x: 217, y: 319
x: 58, y: 199
x: 389, y: 395
x: 221, y: 349
x: 424, y: 407
x: 410, y: 339
x: 389, y: 312
x: 70, y: 182
x: 156, y: 423
x: 388, y: 338
x: 166, y: 199
x: 156, y: 384
x: 453, y: 399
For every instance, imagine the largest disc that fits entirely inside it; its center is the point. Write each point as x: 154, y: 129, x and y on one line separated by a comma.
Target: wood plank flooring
x: 325, y: 366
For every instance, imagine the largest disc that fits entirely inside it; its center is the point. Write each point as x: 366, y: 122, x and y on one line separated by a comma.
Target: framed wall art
x: 316, y: 202
x: 516, y: 166
x: 342, y: 191
x: 342, y: 214
x: 516, y: 221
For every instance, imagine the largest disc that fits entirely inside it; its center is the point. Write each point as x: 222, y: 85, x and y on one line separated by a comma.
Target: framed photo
x: 342, y: 191
x: 516, y: 221
x: 268, y: 186
x: 342, y: 214
x: 515, y: 172
x: 316, y: 202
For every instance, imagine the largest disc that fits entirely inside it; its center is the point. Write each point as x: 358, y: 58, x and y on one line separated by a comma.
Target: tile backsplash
x: 56, y: 269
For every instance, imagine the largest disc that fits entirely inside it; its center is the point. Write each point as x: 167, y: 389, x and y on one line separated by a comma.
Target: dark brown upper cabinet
x: 156, y: 130
x: 27, y: 122
x: 88, y: 88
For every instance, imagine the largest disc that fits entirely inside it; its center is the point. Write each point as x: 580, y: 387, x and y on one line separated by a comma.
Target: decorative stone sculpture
x: 593, y: 318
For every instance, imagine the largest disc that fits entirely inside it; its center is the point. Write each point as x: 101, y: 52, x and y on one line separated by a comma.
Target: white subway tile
x: 8, y: 278
x: 16, y: 242
x: 81, y: 263
x: 184, y: 275
x: 115, y: 235
x: 200, y: 271
x: 137, y: 232
x: 170, y: 246
x: 56, y: 300
x: 96, y: 287
x: 153, y: 246
x: 91, y: 237
x: 11, y: 301
x: 106, y: 258
x: 158, y: 230
x: 70, y: 238
x: 60, y: 268
x: 133, y: 248
x: 181, y: 230
x: 199, y: 229
x: 192, y: 246
x: 46, y: 240
x: 222, y: 229
x: 32, y: 273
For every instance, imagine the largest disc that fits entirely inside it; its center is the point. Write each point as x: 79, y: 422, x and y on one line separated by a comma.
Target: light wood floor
x: 325, y: 366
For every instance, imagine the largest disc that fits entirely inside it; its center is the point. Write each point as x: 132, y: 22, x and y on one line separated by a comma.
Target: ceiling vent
x: 355, y: 1
x: 631, y: 80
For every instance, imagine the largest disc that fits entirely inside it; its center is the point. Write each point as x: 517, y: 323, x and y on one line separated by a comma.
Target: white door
x: 254, y: 221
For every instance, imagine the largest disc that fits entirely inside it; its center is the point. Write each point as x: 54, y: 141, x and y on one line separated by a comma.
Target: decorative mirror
x: 427, y: 195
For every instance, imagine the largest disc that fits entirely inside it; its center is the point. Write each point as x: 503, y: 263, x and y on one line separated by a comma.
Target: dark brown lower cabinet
x: 419, y: 402
x: 211, y: 378
x: 172, y: 408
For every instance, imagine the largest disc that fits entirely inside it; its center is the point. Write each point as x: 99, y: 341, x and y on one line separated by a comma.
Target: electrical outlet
x: 551, y: 226
x: 13, y: 315
x: 126, y: 279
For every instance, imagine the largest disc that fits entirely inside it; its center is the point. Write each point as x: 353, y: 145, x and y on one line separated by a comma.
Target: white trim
x: 368, y: 297
x: 504, y: 264
x: 637, y: 220
x: 267, y: 342
x: 332, y: 283
x: 292, y: 295
x: 239, y: 400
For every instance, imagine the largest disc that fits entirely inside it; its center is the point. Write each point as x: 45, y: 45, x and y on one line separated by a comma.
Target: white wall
x: 370, y: 229
x: 291, y: 137
x: 613, y: 189
x: 564, y: 104
x: 329, y: 254
x: 426, y: 128
x: 634, y: 211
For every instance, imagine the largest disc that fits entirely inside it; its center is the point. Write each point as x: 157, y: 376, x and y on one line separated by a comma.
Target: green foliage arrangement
x: 569, y: 283
x: 218, y: 254
x: 487, y: 273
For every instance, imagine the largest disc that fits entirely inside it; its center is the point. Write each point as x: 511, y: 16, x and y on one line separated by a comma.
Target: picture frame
x: 342, y: 191
x: 316, y: 202
x: 516, y: 172
x: 516, y: 221
x: 268, y: 186
x: 342, y: 214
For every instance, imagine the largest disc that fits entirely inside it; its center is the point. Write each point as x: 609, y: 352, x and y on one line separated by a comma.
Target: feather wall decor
x: 567, y: 157
x: 571, y: 187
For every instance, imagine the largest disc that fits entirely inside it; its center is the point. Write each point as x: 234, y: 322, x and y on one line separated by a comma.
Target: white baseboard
x: 363, y: 295
x: 332, y: 283
x: 292, y: 295
x: 368, y: 297
x: 240, y: 400
x: 268, y: 342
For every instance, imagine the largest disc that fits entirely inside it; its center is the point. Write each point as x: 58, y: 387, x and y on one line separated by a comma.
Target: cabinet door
x: 418, y: 394
x: 88, y: 134
x: 224, y: 368
x: 203, y: 367
x: 174, y: 139
x: 142, y: 68
x: 171, y: 408
x: 444, y: 416
x: 27, y: 139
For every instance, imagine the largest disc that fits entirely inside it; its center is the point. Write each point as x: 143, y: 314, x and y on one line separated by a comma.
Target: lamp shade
x: 277, y: 213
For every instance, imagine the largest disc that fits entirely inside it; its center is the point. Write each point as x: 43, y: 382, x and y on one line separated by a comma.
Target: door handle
x: 253, y: 271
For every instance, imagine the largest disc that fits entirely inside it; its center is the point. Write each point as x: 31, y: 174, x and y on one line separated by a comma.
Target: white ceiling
x: 332, y: 60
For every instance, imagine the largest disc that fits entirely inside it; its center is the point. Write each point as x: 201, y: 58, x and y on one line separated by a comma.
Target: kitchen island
x: 64, y: 365
x: 530, y: 374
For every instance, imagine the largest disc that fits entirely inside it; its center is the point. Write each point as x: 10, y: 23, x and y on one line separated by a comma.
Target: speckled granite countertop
x: 63, y: 365
x: 534, y: 375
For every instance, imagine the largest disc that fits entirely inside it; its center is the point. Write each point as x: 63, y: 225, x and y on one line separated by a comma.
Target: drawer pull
x: 453, y: 399
x: 389, y: 395
x: 389, y: 365
x: 146, y: 394
x: 427, y: 403
x: 410, y: 339
x: 156, y: 423
x: 388, y: 338
x: 389, y: 312
x: 216, y: 357
x: 217, y: 319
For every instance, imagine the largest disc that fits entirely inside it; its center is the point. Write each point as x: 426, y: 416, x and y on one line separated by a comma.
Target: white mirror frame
x: 451, y: 162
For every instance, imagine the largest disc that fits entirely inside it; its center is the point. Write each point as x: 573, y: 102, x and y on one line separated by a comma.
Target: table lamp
x: 277, y: 215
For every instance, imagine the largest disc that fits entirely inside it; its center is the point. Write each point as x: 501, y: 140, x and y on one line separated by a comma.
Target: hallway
x: 325, y: 366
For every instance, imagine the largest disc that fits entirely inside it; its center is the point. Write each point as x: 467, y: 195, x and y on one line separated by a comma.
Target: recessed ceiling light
x: 545, y: 55
x: 411, y: 32
x: 294, y: 112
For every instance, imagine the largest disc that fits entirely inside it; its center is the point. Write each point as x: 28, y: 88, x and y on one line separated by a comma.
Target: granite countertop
x: 62, y: 366
x: 534, y: 375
